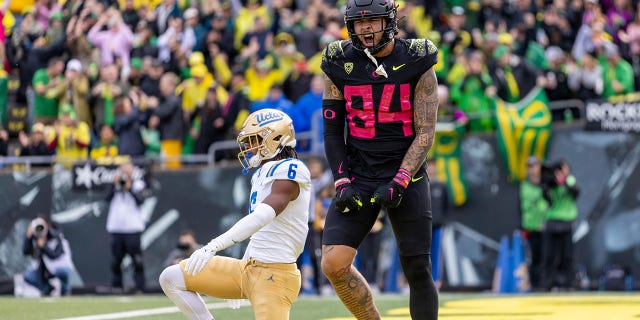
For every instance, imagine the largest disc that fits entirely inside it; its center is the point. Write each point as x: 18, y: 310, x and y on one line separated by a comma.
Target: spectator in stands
x: 558, y: 87
x: 150, y: 83
x: 151, y: 138
x: 170, y: 45
x: 237, y: 107
x: 533, y: 213
x: 142, y: 45
x: 171, y: 120
x: 513, y: 77
x: 298, y: 82
x: 286, y: 53
x: 107, y: 146
x: 75, y: 89
x: 125, y: 224
x: 260, y: 34
x: 135, y: 74
x: 127, y: 125
x: 56, y: 27
x: 36, y: 56
x: 50, y: 256
x: 162, y: 14
x: 585, y: 78
x: 70, y: 138
x: 44, y: 9
x: 46, y: 97
x: 617, y: 73
x: 189, y: 40
x: 260, y: 77
x: 212, y: 125
x: 34, y: 144
x: 307, y: 34
x: 473, y: 94
x: 115, y: 42
x: 104, y: 94
x: 186, y: 245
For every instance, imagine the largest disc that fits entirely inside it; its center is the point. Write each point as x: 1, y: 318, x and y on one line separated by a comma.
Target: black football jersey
x: 379, y: 109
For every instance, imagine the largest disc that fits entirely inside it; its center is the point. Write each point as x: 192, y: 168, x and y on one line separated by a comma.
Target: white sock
x: 189, y: 302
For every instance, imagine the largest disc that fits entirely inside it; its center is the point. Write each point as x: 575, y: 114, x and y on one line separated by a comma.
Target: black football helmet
x: 360, y: 9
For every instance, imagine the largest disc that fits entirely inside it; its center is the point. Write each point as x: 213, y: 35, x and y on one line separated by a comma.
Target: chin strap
x: 379, y: 68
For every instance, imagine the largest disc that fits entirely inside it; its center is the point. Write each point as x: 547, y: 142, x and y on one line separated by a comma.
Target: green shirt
x: 533, y: 206
x: 621, y: 72
x: 43, y: 105
x: 563, y: 205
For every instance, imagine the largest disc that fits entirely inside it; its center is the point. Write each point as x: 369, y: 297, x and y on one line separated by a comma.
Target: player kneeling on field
x: 277, y: 224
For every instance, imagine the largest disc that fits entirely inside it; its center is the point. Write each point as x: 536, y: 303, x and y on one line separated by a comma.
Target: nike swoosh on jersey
x: 395, y: 68
x: 416, y: 179
x: 340, y: 168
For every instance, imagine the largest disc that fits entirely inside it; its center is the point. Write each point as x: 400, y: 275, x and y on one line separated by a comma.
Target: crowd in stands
x: 170, y: 77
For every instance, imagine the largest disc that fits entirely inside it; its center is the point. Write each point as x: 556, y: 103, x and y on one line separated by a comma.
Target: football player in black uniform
x: 383, y: 90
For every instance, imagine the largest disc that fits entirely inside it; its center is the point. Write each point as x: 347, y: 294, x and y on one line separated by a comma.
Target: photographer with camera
x: 186, y: 245
x: 125, y: 224
x: 561, y: 190
x: 51, y: 256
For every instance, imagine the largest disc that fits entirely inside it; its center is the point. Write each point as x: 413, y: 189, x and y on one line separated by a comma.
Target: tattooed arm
x: 333, y: 114
x: 425, y: 110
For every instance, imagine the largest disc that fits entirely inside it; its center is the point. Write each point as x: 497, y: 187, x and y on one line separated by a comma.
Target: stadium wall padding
x: 210, y: 200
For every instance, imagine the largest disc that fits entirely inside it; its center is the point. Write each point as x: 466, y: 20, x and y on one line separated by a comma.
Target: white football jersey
x: 282, y: 240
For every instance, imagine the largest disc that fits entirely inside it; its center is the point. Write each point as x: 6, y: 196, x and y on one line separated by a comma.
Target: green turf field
x: 578, y: 306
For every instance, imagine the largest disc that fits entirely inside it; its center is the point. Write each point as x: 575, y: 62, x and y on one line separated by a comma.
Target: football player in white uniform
x: 276, y: 223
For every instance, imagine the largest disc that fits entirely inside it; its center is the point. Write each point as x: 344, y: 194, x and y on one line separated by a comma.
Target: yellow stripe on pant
x: 271, y: 287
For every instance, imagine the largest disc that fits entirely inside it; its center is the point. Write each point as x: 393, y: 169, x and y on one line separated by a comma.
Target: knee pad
x: 172, y: 278
x: 416, y: 268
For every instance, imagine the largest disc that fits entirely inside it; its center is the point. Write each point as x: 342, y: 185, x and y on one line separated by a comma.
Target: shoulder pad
x: 334, y: 49
x: 288, y: 169
x: 422, y: 47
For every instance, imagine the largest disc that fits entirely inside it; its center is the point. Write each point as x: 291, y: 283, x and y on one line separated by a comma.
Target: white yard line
x: 144, y: 312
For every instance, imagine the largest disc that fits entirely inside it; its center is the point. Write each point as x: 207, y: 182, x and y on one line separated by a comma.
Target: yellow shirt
x: 194, y: 93
x: 104, y: 151
x: 259, y: 87
x: 67, y: 150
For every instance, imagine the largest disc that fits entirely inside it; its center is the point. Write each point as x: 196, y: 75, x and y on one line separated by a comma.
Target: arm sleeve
x: 334, y: 129
x: 245, y: 227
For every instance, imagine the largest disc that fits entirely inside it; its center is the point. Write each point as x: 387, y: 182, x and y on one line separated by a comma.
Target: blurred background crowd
x: 98, y: 78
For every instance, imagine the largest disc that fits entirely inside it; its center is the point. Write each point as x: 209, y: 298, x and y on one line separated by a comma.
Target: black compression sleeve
x: 334, y: 114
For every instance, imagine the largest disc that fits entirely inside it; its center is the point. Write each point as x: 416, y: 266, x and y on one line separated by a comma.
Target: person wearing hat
x: 34, y: 144
x: 533, y: 212
x: 56, y: 27
x: 135, y: 75
x: 70, y: 137
x: 75, y: 89
x: 617, y: 73
x: 514, y: 77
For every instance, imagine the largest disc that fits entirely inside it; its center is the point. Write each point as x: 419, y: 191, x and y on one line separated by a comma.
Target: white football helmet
x: 264, y: 134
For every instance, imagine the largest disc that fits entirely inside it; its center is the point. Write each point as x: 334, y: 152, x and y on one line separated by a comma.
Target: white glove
x: 198, y: 260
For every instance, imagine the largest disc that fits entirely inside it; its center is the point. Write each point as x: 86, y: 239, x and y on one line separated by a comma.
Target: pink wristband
x: 403, y: 177
x: 340, y: 182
